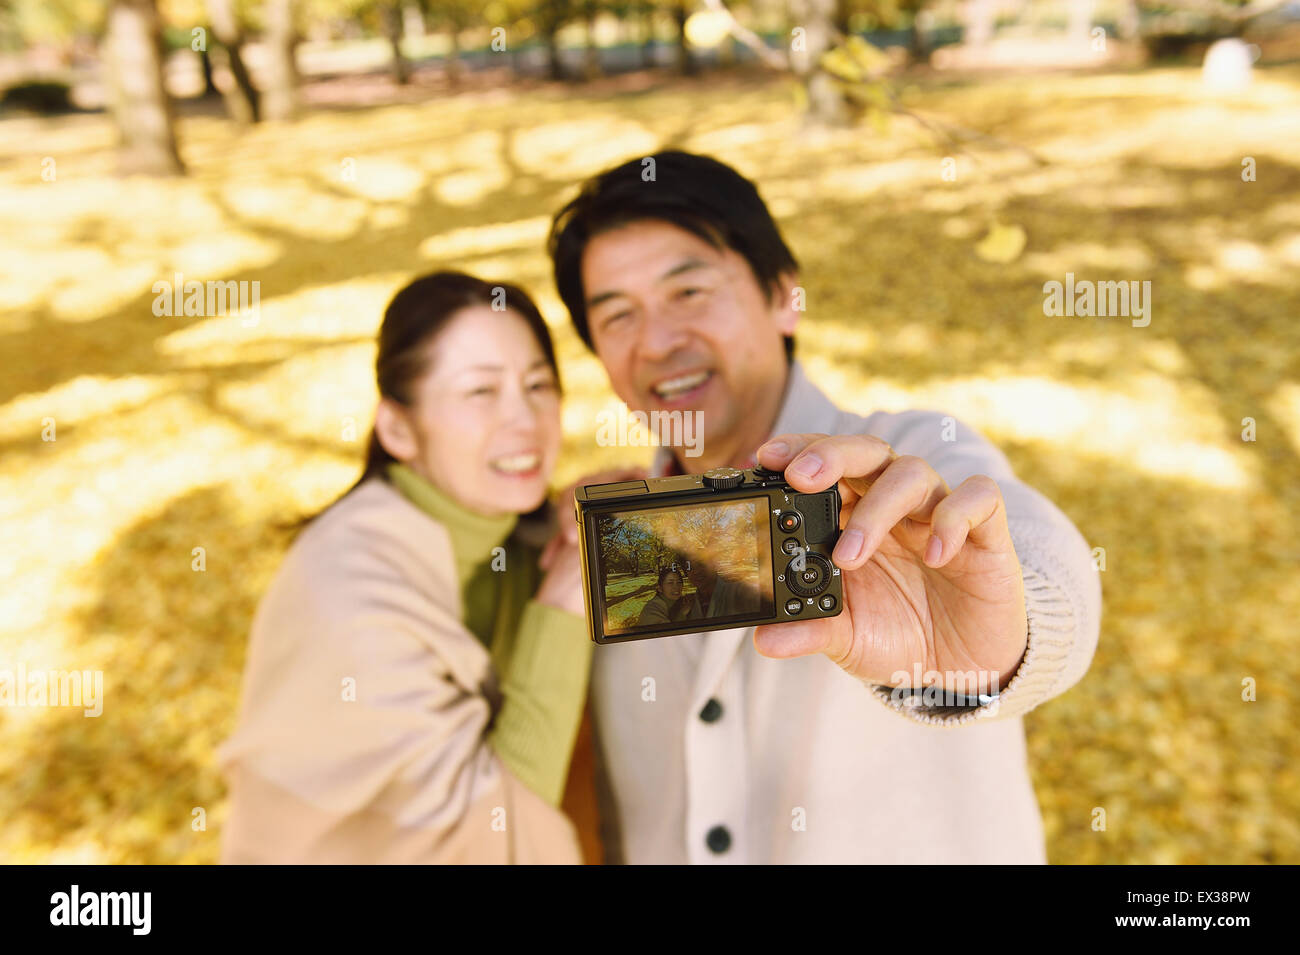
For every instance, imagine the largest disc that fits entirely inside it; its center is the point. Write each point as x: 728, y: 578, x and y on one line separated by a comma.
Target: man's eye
x: 617, y: 316
x: 544, y: 385
x: 486, y: 390
x: 690, y: 292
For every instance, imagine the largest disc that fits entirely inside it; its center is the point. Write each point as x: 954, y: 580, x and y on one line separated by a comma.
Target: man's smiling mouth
x: 680, y: 386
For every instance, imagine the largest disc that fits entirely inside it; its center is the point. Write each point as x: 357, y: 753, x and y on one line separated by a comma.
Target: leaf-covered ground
x: 177, y: 433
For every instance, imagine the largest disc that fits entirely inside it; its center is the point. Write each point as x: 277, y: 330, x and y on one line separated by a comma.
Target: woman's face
x: 486, y: 414
x: 671, y: 587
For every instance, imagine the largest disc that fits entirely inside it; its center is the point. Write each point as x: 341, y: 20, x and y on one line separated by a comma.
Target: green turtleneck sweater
x: 541, y: 654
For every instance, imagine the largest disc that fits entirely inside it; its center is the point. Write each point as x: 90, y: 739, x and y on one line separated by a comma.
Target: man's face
x: 682, y: 326
x: 700, y: 574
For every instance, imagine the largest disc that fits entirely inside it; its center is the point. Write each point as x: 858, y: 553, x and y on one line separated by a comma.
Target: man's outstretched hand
x: 931, y: 578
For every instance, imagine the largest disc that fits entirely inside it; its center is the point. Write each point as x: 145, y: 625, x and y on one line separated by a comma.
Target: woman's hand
x: 562, y: 586
x: 560, y: 559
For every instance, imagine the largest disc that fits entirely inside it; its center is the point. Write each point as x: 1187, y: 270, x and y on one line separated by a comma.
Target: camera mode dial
x: 723, y: 478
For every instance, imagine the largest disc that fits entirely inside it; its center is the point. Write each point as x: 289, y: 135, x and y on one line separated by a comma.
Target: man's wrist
x: 1004, y: 679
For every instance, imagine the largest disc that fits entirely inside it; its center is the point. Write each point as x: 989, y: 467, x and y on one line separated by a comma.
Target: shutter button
x: 712, y: 711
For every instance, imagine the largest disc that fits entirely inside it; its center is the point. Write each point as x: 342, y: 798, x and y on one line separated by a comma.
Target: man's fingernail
x: 777, y: 447
x: 806, y: 467
x: 849, y: 546
x: 933, y: 550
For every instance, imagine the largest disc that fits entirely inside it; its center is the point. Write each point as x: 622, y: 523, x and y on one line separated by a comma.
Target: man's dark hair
x: 701, y: 195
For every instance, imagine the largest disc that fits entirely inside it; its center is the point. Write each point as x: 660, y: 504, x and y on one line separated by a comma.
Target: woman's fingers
x: 549, y: 551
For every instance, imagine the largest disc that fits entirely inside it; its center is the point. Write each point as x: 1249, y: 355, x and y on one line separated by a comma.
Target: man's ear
x: 394, y: 430
x: 788, y: 302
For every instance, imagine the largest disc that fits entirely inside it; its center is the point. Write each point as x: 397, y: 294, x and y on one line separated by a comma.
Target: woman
x: 415, y: 679
x: 667, y: 605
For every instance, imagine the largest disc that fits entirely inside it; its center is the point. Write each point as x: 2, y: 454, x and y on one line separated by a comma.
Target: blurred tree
x: 858, y: 16
x: 390, y: 14
x: 240, y: 95
x: 591, y: 67
x: 280, y: 98
x: 456, y: 16
x: 645, y: 9
x: 812, y: 36
x: 551, y: 16
x: 1128, y: 22
x: 139, y: 103
x: 57, y: 23
x: 686, y: 63
x: 1079, y: 19
x: 977, y: 21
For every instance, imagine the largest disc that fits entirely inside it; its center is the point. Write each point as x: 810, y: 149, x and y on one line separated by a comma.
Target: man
x: 892, y: 732
x: 716, y: 595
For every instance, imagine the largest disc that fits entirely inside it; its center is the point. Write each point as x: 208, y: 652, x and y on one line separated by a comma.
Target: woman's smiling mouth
x: 526, y: 464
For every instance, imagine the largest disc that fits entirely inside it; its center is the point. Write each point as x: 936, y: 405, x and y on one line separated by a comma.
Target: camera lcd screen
x: 664, y: 567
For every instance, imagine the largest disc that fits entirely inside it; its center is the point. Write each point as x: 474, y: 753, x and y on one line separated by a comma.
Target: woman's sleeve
x: 544, y: 690
x: 360, y: 739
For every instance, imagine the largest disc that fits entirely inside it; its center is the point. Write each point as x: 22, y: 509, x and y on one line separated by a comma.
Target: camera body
x: 699, y: 552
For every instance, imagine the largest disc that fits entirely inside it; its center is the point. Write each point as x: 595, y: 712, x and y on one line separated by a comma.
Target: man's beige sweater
x: 710, y: 752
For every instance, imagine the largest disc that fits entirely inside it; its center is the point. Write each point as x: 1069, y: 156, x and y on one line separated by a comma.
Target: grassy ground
x: 176, y: 433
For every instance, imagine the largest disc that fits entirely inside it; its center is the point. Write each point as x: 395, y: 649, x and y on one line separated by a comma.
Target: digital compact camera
x: 712, y: 551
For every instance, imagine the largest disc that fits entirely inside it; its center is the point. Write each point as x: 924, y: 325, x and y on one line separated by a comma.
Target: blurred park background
x: 932, y: 164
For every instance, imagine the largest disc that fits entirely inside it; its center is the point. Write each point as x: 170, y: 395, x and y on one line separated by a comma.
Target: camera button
x: 827, y: 602
x: 791, y: 546
x: 712, y: 711
x: 793, y: 606
x: 788, y: 521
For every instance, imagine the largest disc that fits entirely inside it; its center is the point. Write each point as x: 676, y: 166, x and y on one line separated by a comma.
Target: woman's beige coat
x: 362, y: 730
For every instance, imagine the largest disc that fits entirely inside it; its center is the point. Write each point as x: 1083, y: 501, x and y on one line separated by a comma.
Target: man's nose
x: 661, y: 334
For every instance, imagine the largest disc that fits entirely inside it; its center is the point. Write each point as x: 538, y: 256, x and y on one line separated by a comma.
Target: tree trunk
x: 825, y: 100
x: 393, y: 30
x: 841, y: 17
x: 455, y: 68
x: 919, y: 39
x: 280, y: 101
x: 1127, y: 25
x: 977, y: 22
x: 554, y: 66
x: 591, y: 55
x: 1079, y: 20
x: 140, y: 106
x: 209, y: 83
x: 685, y: 59
x: 241, y: 95
x: 648, y: 40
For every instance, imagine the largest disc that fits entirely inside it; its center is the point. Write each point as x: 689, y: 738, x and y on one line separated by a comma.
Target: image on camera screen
x: 664, y: 567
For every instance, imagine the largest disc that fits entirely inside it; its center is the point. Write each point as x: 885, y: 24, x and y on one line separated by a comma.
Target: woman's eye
x: 546, y: 385
x: 689, y: 292
x: 617, y: 316
x: 485, y: 391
